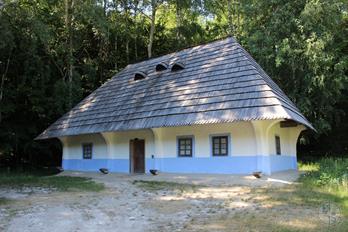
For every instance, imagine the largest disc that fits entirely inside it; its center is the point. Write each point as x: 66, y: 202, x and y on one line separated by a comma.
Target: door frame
x: 131, y: 155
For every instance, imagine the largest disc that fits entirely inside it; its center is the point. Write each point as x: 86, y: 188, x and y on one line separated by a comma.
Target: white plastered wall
x: 265, y: 132
x: 72, y: 146
x: 288, y: 139
x: 255, y: 138
x: 247, y: 139
x: 118, y: 143
x: 241, y: 135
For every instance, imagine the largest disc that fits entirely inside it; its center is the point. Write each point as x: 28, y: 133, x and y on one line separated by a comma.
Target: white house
x: 205, y: 109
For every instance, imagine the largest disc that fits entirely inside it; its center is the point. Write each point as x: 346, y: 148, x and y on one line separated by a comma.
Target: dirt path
x: 125, y: 206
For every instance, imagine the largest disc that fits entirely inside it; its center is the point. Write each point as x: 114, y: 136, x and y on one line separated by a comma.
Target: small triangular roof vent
x: 161, y: 66
x: 139, y: 75
x: 178, y: 66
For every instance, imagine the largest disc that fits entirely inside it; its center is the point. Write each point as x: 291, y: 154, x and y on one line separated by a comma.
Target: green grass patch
x: 328, y: 172
x: 323, y: 186
x: 60, y: 183
x: 323, y: 183
x: 326, y: 181
x: 165, y: 185
x: 308, y: 167
x: 328, y: 204
x: 4, y: 201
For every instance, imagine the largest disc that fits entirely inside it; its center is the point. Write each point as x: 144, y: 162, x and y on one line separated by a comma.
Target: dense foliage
x: 54, y: 52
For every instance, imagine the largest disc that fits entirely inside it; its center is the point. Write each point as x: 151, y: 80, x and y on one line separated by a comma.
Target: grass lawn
x: 324, y: 185
x: 319, y: 202
x: 59, y: 183
x: 326, y: 180
x: 323, y: 189
x: 4, y: 201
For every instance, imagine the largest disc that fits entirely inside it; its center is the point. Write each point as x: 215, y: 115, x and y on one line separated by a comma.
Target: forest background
x: 53, y: 53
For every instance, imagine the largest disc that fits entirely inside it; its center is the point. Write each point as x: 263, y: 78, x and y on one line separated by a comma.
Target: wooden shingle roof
x: 220, y: 83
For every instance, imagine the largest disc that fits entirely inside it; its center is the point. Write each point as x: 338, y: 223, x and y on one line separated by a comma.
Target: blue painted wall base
x: 114, y: 165
x: 219, y: 165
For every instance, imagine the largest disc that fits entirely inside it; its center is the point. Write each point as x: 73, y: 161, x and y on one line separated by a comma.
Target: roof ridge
x: 183, y: 49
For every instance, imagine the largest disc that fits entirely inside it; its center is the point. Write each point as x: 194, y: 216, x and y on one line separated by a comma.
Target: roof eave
x: 44, y: 135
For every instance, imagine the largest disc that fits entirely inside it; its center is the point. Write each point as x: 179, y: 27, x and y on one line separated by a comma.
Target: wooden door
x: 137, y: 156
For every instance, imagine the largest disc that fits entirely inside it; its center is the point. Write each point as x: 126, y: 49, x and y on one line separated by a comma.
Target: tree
x: 69, y: 6
x: 154, y: 5
x: 300, y: 53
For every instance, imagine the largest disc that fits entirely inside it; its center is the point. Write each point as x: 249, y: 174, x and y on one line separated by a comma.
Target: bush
x: 330, y: 172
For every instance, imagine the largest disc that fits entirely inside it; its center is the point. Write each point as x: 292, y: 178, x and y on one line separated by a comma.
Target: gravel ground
x: 218, y: 203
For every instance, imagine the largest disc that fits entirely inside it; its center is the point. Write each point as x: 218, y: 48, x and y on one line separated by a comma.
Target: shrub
x: 330, y: 172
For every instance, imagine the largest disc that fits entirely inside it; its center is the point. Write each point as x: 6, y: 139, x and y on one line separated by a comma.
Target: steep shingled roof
x: 220, y: 83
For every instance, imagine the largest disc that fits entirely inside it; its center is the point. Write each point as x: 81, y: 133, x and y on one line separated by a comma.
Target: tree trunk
x: 105, y: 6
x: 116, y: 53
x: 3, y: 81
x: 237, y: 30
x: 152, y: 29
x: 126, y: 8
x: 230, y: 17
x: 136, y: 47
x: 116, y: 38
x: 136, y: 3
x: 127, y: 50
x: 178, y: 20
x: 69, y: 4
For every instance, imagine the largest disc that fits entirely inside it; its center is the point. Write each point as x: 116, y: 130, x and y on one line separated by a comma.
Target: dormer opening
x: 139, y: 75
x: 161, y: 66
x: 178, y: 66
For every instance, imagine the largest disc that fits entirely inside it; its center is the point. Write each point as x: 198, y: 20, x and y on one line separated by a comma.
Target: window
x: 277, y: 144
x: 220, y: 145
x: 177, y: 66
x: 139, y: 76
x: 87, y: 150
x: 161, y: 66
x: 185, y: 147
